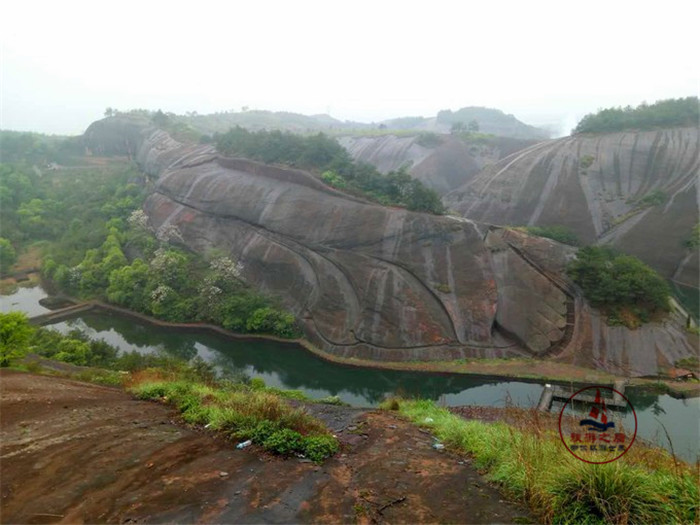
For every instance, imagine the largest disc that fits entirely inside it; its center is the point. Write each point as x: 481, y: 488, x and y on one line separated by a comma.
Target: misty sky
x: 64, y: 62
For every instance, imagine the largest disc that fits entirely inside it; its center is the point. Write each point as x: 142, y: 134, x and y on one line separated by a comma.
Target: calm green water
x: 289, y: 366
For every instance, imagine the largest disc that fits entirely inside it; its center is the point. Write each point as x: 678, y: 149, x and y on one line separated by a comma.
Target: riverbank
x: 25, y: 272
x: 514, y: 368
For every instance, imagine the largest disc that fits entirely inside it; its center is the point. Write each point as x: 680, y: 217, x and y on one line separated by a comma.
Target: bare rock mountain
x: 375, y: 282
x: 441, y: 162
x: 636, y: 190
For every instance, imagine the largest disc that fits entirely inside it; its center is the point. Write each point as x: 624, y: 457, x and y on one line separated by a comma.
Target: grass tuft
x: 645, y: 486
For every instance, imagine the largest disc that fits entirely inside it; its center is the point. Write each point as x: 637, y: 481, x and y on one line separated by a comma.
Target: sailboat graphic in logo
x: 598, y: 409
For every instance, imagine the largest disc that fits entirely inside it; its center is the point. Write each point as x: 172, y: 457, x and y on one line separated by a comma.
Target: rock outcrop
x: 636, y: 190
x: 369, y: 281
x: 441, y: 162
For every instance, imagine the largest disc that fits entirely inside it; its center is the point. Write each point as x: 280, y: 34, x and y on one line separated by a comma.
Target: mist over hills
x: 488, y: 120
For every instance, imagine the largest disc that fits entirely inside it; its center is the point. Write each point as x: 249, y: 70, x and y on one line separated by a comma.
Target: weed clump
x: 242, y: 412
x: 645, y: 486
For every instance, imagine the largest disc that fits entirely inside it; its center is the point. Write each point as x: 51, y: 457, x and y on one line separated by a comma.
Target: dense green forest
x: 664, y: 113
x: 96, y: 243
x: 323, y: 154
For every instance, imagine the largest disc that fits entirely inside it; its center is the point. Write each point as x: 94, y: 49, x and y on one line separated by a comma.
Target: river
x: 291, y: 367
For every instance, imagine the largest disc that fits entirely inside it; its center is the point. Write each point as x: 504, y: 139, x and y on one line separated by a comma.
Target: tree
x: 160, y: 119
x: 7, y: 255
x: 623, y: 286
x: 15, y: 332
x: 458, y: 127
x: 473, y: 126
x: 109, y: 112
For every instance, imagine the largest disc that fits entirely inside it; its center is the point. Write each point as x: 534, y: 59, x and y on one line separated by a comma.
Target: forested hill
x: 681, y: 112
x: 488, y: 120
x: 485, y: 120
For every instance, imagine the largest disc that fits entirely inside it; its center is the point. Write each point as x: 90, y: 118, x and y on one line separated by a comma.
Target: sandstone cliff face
x: 374, y: 282
x: 443, y: 166
x: 595, y: 185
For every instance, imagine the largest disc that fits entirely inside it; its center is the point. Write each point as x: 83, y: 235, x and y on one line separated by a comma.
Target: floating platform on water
x: 550, y: 394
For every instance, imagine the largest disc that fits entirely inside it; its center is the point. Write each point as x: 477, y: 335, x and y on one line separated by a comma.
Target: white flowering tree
x: 169, y: 233
x: 138, y: 220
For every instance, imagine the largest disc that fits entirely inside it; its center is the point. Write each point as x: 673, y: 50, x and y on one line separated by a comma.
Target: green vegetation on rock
x: 557, y: 233
x: 693, y: 240
x: 325, y: 156
x: 653, y: 198
x: 664, y: 113
x: 625, y: 288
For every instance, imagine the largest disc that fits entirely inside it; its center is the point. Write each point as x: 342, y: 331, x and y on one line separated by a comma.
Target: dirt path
x: 73, y: 452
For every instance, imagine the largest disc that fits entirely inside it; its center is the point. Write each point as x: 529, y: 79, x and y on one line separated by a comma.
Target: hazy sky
x: 64, y: 62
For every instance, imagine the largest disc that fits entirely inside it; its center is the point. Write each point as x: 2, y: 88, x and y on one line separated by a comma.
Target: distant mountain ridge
x: 491, y: 121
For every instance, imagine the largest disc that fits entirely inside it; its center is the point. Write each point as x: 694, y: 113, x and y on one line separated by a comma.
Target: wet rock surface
x: 387, y: 284
x: 595, y: 185
x: 79, y: 453
x: 443, y: 164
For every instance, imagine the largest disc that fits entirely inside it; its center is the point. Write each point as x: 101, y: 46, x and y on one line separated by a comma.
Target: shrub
x: 7, y: 255
x: 151, y: 391
x: 284, y: 442
x: 587, y: 161
x: 619, y: 284
x: 653, y: 198
x: 556, y: 233
x: 318, y: 448
x: 257, y: 383
x: 15, y: 333
x: 333, y: 400
x: 263, y: 430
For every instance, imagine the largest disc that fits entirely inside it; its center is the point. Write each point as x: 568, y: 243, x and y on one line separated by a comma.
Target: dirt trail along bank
x: 73, y: 452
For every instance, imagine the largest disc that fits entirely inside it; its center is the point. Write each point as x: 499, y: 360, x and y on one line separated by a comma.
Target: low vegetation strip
x: 241, y: 412
x: 646, y: 486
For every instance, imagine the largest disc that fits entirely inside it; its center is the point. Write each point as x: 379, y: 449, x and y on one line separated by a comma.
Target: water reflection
x: 288, y: 366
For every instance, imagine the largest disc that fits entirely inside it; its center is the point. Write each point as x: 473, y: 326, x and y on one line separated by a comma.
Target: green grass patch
x: 242, y: 412
x: 645, y: 486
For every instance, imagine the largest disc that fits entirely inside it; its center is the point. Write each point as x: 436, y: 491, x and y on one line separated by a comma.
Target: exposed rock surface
x: 80, y: 453
x: 595, y: 185
x: 443, y: 163
x: 376, y: 282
